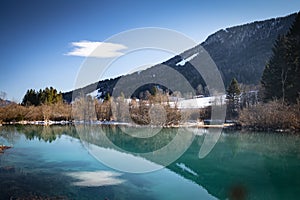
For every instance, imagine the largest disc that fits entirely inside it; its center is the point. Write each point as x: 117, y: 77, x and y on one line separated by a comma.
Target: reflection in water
x: 247, y: 166
x: 238, y: 167
x: 96, y: 178
x: 120, y: 160
x: 162, y: 148
x: 185, y: 168
x: 63, y: 169
x: 241, y: 165
x: 31, y: 132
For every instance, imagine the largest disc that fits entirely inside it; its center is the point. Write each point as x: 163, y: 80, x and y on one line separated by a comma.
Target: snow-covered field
x: 199, y: 102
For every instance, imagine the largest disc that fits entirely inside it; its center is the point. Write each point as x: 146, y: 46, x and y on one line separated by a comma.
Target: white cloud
x: 96, y: 49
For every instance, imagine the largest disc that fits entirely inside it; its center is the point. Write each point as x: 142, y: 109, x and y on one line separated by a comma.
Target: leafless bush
x: 15, y: 112
x: 271, y: 116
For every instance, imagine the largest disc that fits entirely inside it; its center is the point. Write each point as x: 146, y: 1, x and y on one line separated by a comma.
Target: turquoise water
x: 53, y: 162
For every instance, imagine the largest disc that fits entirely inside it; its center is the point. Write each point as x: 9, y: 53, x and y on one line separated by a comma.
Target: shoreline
x: 39, y: 123
x: 186, y: 124
x: 230, y: 126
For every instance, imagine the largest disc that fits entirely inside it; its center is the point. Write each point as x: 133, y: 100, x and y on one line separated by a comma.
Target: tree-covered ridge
x: 46, y: 96
x: 281, y: 77
x: 239, y: 52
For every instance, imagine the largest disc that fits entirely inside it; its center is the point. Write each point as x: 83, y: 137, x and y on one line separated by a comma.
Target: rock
x: 3, y: 148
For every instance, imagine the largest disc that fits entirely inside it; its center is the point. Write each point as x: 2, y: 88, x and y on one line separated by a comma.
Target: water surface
x: 53, y: 162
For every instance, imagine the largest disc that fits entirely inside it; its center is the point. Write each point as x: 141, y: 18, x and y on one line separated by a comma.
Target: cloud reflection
x: 96, y: 178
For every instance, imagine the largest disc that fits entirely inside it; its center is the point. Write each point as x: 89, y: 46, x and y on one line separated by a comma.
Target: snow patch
x: 95, y: 94
x: 183, y: 61
x: 198, y: 102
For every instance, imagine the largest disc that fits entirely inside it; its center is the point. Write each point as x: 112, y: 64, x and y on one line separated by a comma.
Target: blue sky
x: 36, y: 36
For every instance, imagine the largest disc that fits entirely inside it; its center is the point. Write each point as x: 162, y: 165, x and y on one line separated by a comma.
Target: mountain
x: 4, y: 102
x: 243, y: 51
x: 239, y: 52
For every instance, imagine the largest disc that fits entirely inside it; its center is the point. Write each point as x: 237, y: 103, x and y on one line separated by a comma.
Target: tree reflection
x: 11, y: 134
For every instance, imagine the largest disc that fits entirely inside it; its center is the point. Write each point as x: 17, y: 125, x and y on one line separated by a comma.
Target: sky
x: 44, y: 43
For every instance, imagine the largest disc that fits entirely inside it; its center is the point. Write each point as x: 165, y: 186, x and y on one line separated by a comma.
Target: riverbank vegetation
x: 55, y: 112
x: 151, y: 110
x: 47, y: 105
x: 273, y: 115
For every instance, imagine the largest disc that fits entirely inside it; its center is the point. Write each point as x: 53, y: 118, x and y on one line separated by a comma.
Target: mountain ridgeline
x: 240, y: 52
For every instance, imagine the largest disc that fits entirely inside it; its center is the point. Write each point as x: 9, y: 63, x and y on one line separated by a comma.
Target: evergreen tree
x: 30, y: 98
x: 233, y: 96
x: 46, y: 96
x: 281, y: 77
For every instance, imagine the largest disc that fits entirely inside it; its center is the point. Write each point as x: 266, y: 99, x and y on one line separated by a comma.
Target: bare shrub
x: 271, y: 116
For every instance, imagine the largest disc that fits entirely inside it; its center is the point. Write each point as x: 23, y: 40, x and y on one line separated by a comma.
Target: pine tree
x: 281, y: 77
x: 46, y: 96
x: 233, y: 96
x: 275, y: 74
x: 30, y: 98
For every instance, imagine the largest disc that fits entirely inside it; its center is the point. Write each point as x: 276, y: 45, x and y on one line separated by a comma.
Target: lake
x: 115, y: 162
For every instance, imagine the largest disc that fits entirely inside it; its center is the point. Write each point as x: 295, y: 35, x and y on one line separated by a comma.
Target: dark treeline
x: 280, y: 87
x: 46, y: 96
x: 281, y: 77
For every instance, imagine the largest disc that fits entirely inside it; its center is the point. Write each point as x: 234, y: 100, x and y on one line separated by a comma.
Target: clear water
x: 52, y: 162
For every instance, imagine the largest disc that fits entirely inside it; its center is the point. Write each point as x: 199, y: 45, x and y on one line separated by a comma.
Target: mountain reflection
x: 239, y: 165
x: 162, y: 148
